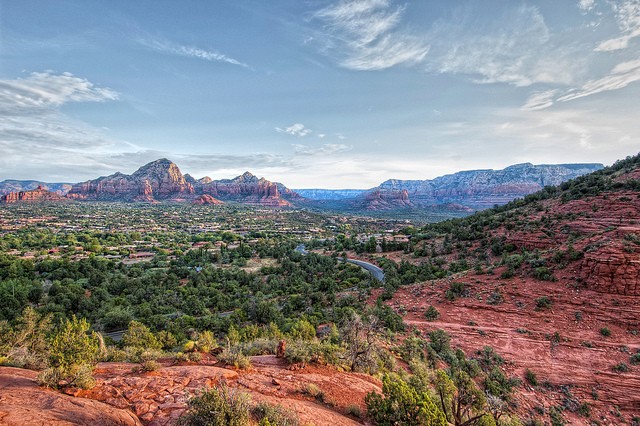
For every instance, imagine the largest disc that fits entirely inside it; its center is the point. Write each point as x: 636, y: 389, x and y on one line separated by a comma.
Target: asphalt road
x: 375, y: 271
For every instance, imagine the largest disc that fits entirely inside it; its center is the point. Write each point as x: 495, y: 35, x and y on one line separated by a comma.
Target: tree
x: 73, y: 354
x: 139, y: 336
x: 460, y: 398
x: 403, y: 405
x: 26, y: 345
x: 359, y: 336
x: 219, y: 406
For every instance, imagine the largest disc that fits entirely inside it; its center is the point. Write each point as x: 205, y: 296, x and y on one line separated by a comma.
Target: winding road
x: 375, y: 271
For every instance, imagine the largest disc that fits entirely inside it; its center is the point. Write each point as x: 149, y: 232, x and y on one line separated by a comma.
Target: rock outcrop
x: 35, y: 195
x: 381, y: 199
x: 24, y: 403
x: 158, y: 180
x: 162, y: 180
x: 477, y: 189
x: 11, y: 185
x: 248, y: 188
x: 207, y: 199
x: 611, y: 270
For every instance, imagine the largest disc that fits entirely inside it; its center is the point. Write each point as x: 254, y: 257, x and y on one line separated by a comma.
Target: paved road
x: 375, y: 271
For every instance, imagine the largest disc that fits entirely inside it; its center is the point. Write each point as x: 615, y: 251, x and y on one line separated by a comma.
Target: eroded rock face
x: 23, y: 403
x: 157, y: 398
x: 38, y: 194
x: 610, y: 270
x: 481, y: 188
x: 207, y: 199
x: 381, y: 199
x: 158, y: 180
x: 249, y: 189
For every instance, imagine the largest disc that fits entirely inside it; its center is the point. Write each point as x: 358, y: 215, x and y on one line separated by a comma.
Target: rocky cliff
x: 158, y: 180
x: 250, y: 189
x: 477, y: 189
x: 162, y: 180
x: 36, y: 195
x: 11, y: 185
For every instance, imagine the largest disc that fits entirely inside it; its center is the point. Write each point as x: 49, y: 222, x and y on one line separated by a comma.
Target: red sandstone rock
x: 38, y: 194
x: 24, y: 403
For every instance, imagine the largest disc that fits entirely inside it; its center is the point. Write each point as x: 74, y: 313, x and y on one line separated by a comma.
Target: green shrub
x: 150, y: 365
x: 621, y: 367
x: 457, y: 289
x: 270, y: 414
x: 138, y: 335
x: 543, y: 303
x: 544, y: 274
x: 354, y: 410
x: 495, y: 298
x: 432, y: 313
x: 234, y: 356
x: 401, y: 404
x: 218, y: 406
x: 73, y: 352
x: 555, y: 414
x: 605, y: 331
x: 313, y: 391
x: 635, y: 359
x: 531, y: 378
x: 584, y: 410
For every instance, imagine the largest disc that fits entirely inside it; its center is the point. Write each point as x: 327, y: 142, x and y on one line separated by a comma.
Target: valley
x: 535, y: 301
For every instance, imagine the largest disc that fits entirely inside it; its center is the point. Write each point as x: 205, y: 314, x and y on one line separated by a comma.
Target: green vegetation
x: 431, y: 314
x: 218, y: 406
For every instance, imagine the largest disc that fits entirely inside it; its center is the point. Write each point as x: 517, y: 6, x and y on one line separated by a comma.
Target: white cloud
x: 190, y: 52
x: 586, y: 5
x: 516, y: 48
x: 42, y: 90
x: 35, y: 134
x: 365, y: 35
x: 621, y: 76
x: 540, y: 100
x: 627, y: 15
x: 297, y: 129
x: 326, y: 149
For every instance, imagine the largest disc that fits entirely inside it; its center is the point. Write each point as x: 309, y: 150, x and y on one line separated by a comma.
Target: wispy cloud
x: 34, y: 133
x: 621, y: 76
x: 540, y: 100
x: 42, y: 90
x: 366, y: 35
x: 170, y: 48
x: 627, y: 15
x: 297, y: 129
x: 516, y: 48
x: 326, y: 149
x: 586, y: 5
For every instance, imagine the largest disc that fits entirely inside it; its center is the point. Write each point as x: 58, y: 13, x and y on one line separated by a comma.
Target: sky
x: 315, y: 94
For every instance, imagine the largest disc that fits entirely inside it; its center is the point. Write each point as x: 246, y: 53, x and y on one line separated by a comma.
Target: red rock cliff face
x: 611, y: 270
x: 384, y: 199
x: 35, y: 195
x: 248, y: 188
x: 159, y: 180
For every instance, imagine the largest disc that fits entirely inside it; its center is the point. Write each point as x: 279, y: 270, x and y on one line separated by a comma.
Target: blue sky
x: 333, y: 94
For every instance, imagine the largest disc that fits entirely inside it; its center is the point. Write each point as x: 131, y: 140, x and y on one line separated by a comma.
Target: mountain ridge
x: 469, y: 190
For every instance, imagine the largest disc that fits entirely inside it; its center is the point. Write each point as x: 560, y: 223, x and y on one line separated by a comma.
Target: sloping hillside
x: 551, y: 282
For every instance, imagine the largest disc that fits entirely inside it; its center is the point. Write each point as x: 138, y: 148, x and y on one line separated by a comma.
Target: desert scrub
x: 234, y: 356
x: 218, y: 406
x: 531, y: 378
x: 270, y: 414
x: 431, y: 313
x: 543, y: 303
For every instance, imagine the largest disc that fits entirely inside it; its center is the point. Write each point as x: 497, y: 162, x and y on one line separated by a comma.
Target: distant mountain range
x: 472, y: 190
x: 162, y: 181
